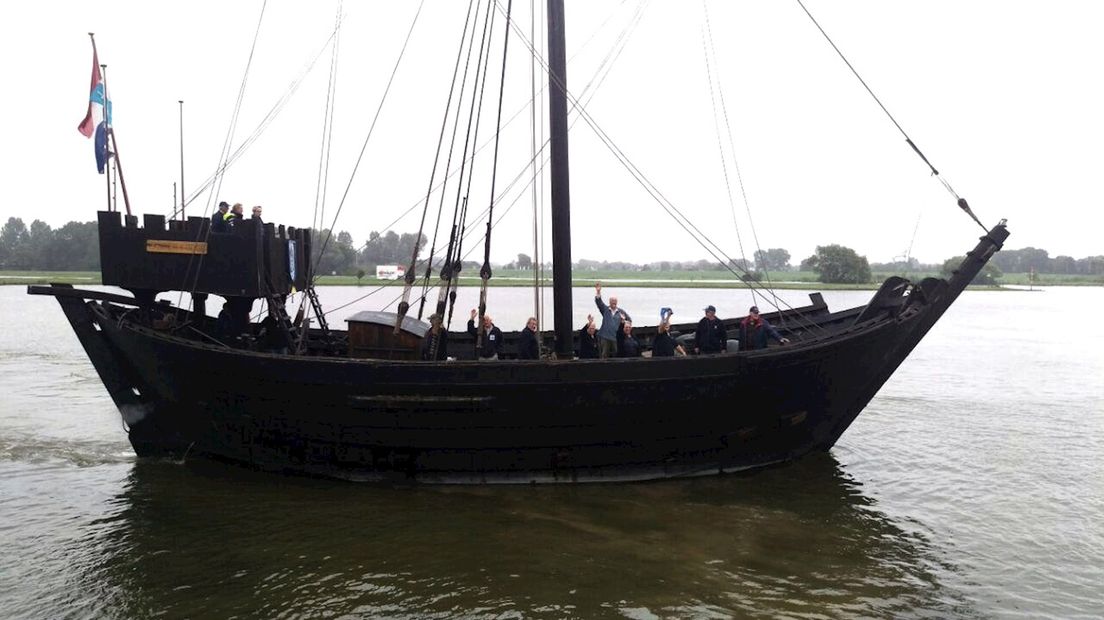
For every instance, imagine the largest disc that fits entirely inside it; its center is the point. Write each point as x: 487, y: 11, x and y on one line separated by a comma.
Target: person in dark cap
x: 710, y: 336
x: 435, y: 342
x: 754, y: 331
x: 218, y: 220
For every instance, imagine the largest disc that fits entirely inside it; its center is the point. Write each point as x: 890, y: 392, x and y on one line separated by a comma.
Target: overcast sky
x: 1005, y: 98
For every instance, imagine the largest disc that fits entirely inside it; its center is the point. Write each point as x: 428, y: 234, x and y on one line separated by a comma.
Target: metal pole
x: 181, y: 102
x: 119, y: 169
x: 561, y: 196
x: 106, y: 108
x: 533, y: 164
x: 115, y: 192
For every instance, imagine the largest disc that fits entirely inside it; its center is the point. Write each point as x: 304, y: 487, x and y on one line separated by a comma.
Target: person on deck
x: 435, y: 336
x: 257, y: 214
x: 588, y: 340
x: 612, y: 318
x: 224, y: 325
x: 754, y: 331
x: 492, y: 337
x: 528, y: 347
x: 272, y: 337
x: 233, y: 217
x: 233, y: 321
x: 711, y: 336
x: 627, y: 344
x: 218, y: 219
x: 664, y: 345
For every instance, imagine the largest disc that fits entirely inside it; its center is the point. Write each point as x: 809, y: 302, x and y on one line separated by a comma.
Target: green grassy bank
x: 621, y: 279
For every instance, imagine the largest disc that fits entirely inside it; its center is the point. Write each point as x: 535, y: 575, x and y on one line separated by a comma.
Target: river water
x: 971, y: 486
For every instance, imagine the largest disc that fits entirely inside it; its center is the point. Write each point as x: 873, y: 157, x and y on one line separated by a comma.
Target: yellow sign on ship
x: 164, y: 246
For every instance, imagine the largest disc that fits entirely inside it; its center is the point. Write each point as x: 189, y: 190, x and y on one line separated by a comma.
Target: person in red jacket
x: 754, y: 331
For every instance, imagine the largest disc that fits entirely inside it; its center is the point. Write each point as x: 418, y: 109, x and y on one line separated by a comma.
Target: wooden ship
x: 361, y: 404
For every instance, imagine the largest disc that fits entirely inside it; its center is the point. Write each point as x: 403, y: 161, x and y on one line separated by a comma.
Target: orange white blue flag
x: 97, y: 121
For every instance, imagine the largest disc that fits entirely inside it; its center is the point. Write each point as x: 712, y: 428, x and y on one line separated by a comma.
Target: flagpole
x: 107, y: 114
x: 114, y: 191
x: 181, y: 102
x: 119, y: 168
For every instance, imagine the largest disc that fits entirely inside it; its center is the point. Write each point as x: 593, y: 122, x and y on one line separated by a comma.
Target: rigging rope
x: 447, y: 269
x: 961, y: 201
x: 322, y: 184
x: 327, y: 136
x: 278, y: 107
x: 454, y: 171
x: 410, y: 274
x: 759, y: 256
x: 222, y: 156
x: 485, y: 271
x: 460, y: 209
x: 720, y: 149
x: 448, y: 161
x: 703, y: 240
x: 371, y: 128
x: 590, y: 90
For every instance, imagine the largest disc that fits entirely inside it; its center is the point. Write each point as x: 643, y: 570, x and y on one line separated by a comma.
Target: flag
x: 97, y: 121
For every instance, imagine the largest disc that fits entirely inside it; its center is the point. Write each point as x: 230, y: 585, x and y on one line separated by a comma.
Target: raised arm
x: 471, y: 323
x: 773, y: 333
x: 602, y: 307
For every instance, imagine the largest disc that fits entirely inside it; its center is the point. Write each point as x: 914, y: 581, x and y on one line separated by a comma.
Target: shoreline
x: 93, y: 279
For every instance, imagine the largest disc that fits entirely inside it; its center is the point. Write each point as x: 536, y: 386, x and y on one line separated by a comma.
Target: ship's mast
x: 561, y: 195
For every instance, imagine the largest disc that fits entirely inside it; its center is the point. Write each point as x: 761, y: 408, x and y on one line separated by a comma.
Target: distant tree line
x: 1033, y: 259
x: 75, y: 247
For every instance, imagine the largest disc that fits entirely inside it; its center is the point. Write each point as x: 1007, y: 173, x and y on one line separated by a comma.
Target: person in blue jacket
x: 218, y: 219
x: 612, y: 318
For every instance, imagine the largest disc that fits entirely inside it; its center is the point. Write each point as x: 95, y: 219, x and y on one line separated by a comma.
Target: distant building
x: 390, y: 272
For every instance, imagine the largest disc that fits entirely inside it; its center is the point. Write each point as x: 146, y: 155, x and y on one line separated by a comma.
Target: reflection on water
x: 971, y: 486
x: 218, y: 541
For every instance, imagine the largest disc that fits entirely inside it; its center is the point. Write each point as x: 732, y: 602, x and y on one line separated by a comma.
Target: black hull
x: 509, y: 421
